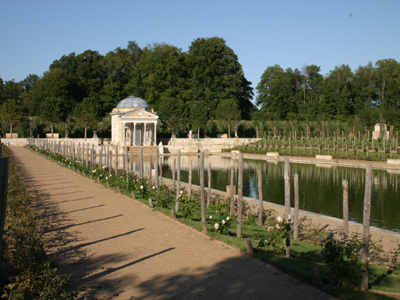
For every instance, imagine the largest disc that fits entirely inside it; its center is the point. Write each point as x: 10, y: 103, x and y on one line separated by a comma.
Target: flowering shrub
x: 164, y: 197
x: 141, y: 190
x: 222, y: 220
x: 277, y: 235
x: 223, y: 225
x: 187, y: 205
x: 97, y: 172
x: 310, y: 232
x: 342, y: 256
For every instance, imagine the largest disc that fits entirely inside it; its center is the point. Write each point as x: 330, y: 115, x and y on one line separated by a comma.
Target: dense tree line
x: 184, y: 88
x: 370, y: 93
x: 191, y: 89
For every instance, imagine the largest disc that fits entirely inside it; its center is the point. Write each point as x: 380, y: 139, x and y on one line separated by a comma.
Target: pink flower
x: 216, y: 225
x: 141, y: 187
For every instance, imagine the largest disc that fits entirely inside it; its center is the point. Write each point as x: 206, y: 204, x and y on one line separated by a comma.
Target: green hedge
x: 26, y: 272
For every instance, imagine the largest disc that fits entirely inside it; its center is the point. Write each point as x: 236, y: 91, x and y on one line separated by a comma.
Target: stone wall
x: 210, y: 145
x: 15, y: 142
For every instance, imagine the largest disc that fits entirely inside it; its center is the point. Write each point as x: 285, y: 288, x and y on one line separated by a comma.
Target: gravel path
x: 118, y: 248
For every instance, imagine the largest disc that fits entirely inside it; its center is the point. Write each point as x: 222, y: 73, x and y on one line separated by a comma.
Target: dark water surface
x: 320, y: 187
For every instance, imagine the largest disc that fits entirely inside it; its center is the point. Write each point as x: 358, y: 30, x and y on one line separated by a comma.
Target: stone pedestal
x: 380, y: 131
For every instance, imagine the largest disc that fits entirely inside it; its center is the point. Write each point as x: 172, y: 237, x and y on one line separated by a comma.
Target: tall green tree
x: 171, y: 115
x: 160, y: 74
x: 29, y: 84
x: 387, y: 77
x: 198, y: 116
x: 10, y: 90
x: 54, y: 96
x: 67, y: 62
x: 12, y: 113
x: 118, y: 68
x: 276, y: 93
x: 216, y: 74
x: 85, y: 114
x: 312, y: 80
x: 228, y: 111
x: 337, y: 93
x: 365, y: 95
x: 89, y: 73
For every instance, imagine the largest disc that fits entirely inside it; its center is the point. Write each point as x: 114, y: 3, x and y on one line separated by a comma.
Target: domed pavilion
x: 133, y: 123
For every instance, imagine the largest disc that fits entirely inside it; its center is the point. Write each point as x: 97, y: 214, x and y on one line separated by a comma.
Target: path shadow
x: 82, y: 245
x: 58, y: 228
x: 235, y: 278
x: 81, y: 209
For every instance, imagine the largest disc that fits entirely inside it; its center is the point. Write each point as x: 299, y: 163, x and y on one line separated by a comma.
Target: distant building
x: 133, y: 123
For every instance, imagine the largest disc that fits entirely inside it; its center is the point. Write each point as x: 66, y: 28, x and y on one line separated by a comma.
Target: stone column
x: 144, y: 134
x: 134, y: 134
x: 155, y: 134
x: 124, y: 133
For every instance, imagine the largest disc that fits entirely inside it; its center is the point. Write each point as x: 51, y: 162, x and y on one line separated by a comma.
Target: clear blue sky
x: 290, y: 33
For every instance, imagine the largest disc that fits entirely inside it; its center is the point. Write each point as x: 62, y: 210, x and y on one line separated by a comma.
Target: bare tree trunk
x: 240, y: 198
x: 287, y: 187
x: 260, y: 197
x: 366, y: 228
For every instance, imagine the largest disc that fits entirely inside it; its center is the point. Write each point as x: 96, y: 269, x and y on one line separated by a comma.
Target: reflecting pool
x: 320, y: 187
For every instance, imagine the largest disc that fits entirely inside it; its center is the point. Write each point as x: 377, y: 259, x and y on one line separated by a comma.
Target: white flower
x: 279, y: 219
x: 223, y: 221
x: 290, y: 217
x: 141, y: 187
x: 106, y: 177
x: 154, y: 187
x: 210, y: 217
x: 181, y: 192
x: 216, y: 226
x: 227, y: 218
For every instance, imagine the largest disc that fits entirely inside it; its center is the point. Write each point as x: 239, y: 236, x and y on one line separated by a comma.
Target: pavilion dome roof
x: 133, y: 102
